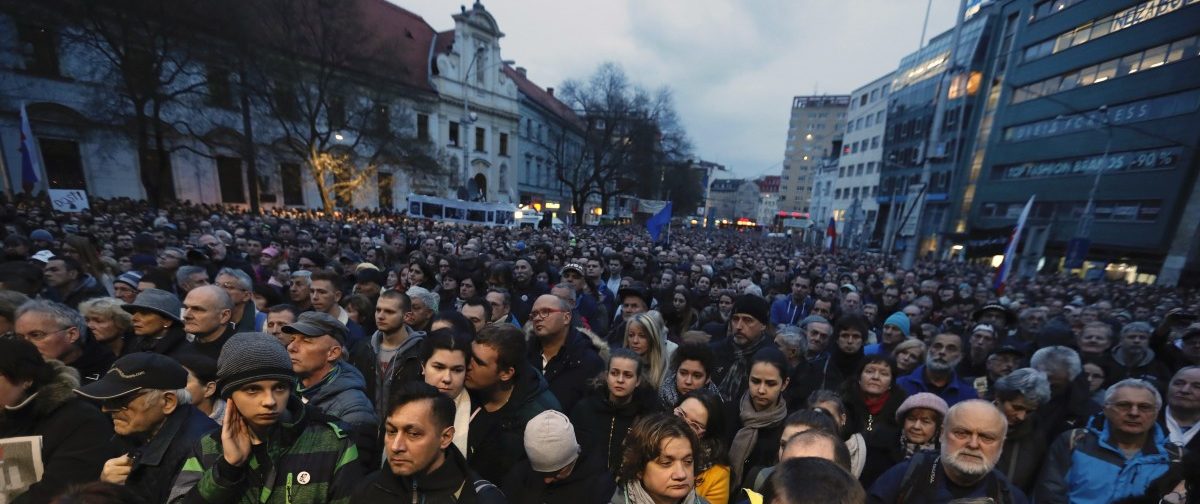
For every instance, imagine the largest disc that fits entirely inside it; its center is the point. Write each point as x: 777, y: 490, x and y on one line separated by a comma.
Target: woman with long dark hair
x: 761, y: 413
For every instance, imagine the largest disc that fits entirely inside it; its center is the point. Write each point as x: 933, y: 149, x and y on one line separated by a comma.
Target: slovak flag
x: 31, y: 157
x: 1010, y: 252
x: 831, y: 235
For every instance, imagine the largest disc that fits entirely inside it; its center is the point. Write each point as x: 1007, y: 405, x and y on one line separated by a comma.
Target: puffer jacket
x: 307, y: 458
x: 1083, y: 467
x: 569, y: 372
x: 75, y: 435
x: 342, y: 395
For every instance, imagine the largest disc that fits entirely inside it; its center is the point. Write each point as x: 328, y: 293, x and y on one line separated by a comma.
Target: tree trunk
x: 148, y: 176
x: 248, y: 149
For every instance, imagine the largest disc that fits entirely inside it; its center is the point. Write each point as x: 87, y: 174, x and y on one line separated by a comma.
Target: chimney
x: 550, y: 91
x: 521, y: 70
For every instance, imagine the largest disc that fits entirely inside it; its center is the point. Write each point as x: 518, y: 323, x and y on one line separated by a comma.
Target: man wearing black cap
x: 369, y: 282
x: 999, y: 317
x: 750, y: 319
x: 145, y: 394
x: 1001, y: 362
x: 327, y: 381
x: 634, y: 299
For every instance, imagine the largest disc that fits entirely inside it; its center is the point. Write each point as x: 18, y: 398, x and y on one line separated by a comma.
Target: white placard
x: 69, y: 200
x: 20, y: 465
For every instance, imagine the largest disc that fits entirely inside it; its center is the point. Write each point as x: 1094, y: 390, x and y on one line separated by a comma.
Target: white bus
x: 483, y: 213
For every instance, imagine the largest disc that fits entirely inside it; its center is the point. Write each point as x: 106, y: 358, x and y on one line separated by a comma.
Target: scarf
x: 1175, y: 432
x: 670, y: 395
x: 747, y: 436
x: 739, y: 370
x: 462, y: 420
x: 875, y: 405
x: 635, y: 493
x: 911, y: 448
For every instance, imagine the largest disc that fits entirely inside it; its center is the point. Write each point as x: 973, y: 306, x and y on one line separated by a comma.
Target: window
x: 1102, y: 26
x: 858, y: 170
x: 39, y: 49
x: 875, y: 142
x: 229, y: 176
x: 386, y: 199
x: 64, y: 168
x: 503, y: 144
x: 289, y: 177
x: 480, y: 140
x: 220, y: 94
x: 454, y: 133
x: 286, y: 106
x: 335, y: 112
x: 423, y: 127
x: 1140, y: 61
x: 841, y: 171
x: 382, y: 118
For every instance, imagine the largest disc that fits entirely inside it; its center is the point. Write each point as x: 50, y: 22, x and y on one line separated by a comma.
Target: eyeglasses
x: 697, y: 427
x: 38, y: 335
x: 1126, y: 407
x: 541, y: 314
x: 230, y: 286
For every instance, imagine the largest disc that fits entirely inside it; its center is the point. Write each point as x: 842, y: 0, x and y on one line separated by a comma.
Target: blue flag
x: 660, y: 220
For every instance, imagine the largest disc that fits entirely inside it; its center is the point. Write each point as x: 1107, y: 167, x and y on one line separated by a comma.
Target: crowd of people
x: 205, y: 354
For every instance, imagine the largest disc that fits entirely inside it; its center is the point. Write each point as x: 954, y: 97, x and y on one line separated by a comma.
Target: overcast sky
x: 734, y: 65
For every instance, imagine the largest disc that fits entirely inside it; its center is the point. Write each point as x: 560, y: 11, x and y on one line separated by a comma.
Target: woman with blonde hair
x: 646, y: 335
x: 107, y: 322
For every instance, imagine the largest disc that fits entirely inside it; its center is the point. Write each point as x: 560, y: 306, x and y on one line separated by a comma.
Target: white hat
x: 550, y: 442
x: 43, y: 256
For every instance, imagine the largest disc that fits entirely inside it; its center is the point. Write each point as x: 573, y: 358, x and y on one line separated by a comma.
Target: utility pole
x: 935, y: 136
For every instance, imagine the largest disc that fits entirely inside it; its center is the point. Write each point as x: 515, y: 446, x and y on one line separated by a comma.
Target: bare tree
x: 325, y: 82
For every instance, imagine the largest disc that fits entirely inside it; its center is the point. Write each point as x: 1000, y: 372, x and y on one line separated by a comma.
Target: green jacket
x: 307, y: 459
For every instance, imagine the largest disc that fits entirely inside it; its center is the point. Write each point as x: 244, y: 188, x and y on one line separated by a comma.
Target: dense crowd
x: 201, y: 354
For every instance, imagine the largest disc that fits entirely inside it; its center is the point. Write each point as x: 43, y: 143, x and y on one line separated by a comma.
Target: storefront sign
x: 1133, y: 112
x: 1149, y: 159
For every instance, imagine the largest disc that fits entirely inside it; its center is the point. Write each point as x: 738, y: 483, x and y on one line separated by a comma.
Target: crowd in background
x: 202, y: 354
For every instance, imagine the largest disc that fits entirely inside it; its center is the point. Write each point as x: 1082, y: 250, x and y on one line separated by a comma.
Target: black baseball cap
x: 315, y: 324
x: 134, y: 372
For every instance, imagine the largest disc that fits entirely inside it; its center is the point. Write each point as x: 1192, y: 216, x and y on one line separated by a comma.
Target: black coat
x: 172, y: 343
x: 601, y: 426
x: 76, y: 437
x: 572, y: 369
x: 158, y: 462
x: 496, y: 441
x: 94, y: 362
x: 588, y: 483
x: 452, y: 483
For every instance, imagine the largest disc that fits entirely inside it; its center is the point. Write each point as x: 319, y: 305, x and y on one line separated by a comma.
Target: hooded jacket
x: 158, y: 460
x: 451, y: 483
x: 75, y: 435
x: 172, y: 343
x: 601, y: 426
x: 306, y: 458
x: 496, y: 440
x: 1147, y: 368
x: 588, y: 483
x: 1083, y: 466
x: 577, y: 362
x: 404, y: 366
x: 342, y: 395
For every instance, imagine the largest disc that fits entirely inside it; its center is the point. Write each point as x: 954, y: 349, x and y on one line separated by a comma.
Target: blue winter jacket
x: 953, y: 393
x: 1096, y: 471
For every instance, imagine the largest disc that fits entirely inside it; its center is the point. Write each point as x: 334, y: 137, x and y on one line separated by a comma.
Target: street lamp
x: 469, y: 117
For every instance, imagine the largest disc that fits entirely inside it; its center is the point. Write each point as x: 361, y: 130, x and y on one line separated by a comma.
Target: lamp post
x: 468, y: 118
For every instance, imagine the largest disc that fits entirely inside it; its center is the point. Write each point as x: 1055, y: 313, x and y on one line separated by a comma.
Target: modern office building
x: 1098, y: 101
x: 920, y: 82
x: 815, y: 122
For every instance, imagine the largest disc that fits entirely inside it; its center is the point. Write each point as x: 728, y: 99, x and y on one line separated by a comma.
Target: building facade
x: 815, y: 122
x: 733, y: 199
x: 920, y: 82
x: 479, y: 106
x: 857, y: 183
x: 415, y: 92
x: 1098, y: 102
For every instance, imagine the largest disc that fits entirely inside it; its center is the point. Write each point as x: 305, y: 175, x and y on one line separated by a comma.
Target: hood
x: 50, y: 396
x: 597, y: 342
x: 414, y: 339
x: 529, y: 385
x: 343, y: 377
x: 1119, y: 357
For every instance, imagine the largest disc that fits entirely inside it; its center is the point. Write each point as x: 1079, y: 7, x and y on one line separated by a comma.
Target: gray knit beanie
x: 250, y: 357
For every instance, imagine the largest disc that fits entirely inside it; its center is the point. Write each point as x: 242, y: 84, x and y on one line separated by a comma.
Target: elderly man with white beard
x: 938, y: 376
x: 971, y: 442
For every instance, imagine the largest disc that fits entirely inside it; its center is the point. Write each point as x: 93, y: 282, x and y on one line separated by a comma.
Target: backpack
x: 916, y: 484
